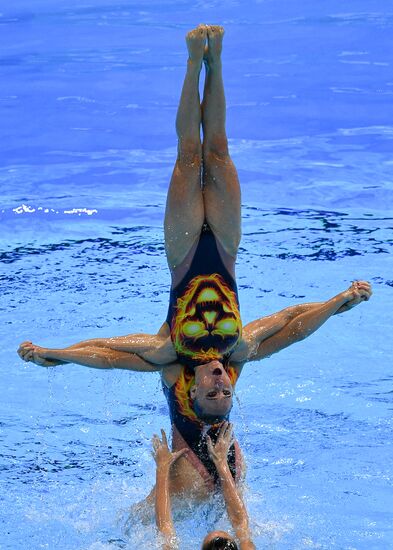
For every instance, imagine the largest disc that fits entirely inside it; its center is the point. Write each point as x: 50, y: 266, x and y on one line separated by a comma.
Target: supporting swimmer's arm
x: 164, y: 460
x: 94, y: 357
x: 261, y: 330
x: 236, y: 509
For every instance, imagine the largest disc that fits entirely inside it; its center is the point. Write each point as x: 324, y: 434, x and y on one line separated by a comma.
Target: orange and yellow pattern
x: 206, y: 324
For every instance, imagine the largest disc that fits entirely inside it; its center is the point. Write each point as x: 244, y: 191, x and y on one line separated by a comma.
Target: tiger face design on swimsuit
x: 206, y: 323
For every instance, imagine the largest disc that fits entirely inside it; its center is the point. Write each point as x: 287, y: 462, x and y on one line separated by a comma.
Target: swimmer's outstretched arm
x: 164, y: 459
x: 263, y: 339
x: 153, y: 348
x: 236, y: 509
x: 94, y: 357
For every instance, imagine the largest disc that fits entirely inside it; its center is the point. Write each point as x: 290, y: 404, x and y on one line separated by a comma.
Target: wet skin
x: 212, y: 389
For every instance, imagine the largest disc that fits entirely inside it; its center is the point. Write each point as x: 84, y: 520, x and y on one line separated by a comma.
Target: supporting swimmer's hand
x: 219, y: 452
x: 34, y: 354
x: 162, y: 455
x: 358, y: 292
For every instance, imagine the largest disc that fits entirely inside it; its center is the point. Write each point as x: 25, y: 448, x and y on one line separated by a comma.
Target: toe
x: 202, y: 30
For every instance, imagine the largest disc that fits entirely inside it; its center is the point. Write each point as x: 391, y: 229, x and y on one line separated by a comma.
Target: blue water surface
x: 88, y: 97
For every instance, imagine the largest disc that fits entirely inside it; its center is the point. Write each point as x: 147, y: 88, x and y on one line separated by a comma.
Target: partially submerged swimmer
x: 237, y: 513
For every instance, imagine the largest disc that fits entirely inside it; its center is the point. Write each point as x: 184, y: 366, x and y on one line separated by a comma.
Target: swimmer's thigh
x: 184, y: 214
x: 222, y: 198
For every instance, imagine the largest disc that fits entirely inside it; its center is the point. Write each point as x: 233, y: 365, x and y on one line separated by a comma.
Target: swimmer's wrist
x: 44, y: 353
x: 340, y: 299
x: 222, y: 466
x: 162, y: 471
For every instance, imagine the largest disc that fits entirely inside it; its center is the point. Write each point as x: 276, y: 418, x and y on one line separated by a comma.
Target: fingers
x: 362, y: 289
x: 229, y: 432
x: 25, y: 349
x: 223, y: 429
x: 26, y: 345
x: 161, y: 453
x: 23, y: 353
x: 219, y: 451
x: 156, y: 442
x: 225, y: 433
x: 29, y: 354
x: 164, y: 439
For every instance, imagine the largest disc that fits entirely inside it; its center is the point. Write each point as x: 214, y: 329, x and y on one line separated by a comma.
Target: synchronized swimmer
x: 201, y: 348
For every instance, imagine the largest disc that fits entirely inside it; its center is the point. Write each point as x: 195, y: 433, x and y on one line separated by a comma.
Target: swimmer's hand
x: 358, y: 292
x: 219, y: 452
x: 35, y: 354
x: 162, y: 455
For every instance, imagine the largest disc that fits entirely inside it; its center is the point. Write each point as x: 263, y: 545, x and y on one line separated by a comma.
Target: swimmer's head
x: 212, y: 392
x: 219, y: 540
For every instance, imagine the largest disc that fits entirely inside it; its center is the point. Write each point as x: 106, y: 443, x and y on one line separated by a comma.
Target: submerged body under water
x: 88, y: 151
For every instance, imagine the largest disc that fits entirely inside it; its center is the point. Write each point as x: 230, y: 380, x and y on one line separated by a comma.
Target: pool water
x: 88, y: 97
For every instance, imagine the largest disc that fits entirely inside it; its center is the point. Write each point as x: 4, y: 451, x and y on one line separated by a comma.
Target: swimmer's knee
x: 189, y: 153
x: 215, y: 148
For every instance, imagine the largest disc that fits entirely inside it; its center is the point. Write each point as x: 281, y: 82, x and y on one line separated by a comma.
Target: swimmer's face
x: 212, y: 390
x: 214, y: 534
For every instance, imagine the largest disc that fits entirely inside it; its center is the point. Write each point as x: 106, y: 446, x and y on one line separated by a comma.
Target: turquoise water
x: 88, y: 96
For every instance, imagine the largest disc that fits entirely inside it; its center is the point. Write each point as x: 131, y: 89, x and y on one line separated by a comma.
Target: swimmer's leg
x: 184, y: 215
x: 221, y: 183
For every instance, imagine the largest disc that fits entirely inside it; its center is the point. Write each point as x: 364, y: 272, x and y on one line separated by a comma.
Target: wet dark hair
x: 208, y: 418
x: 221, y: 543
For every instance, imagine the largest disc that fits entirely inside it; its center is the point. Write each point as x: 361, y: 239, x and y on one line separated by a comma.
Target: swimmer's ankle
x: 194, y: 64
